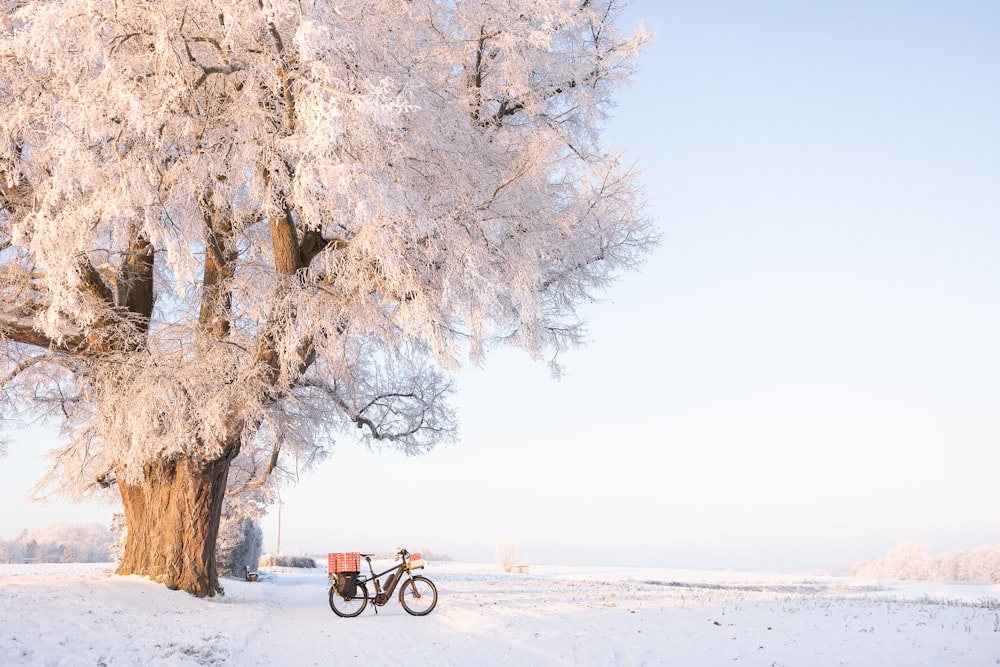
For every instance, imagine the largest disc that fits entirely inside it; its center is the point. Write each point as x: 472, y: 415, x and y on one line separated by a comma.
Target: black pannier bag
x: 347, y: 584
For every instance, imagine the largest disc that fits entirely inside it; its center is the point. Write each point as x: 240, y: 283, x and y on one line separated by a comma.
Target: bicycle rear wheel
x: 418, y: 596
x: 348, y: 608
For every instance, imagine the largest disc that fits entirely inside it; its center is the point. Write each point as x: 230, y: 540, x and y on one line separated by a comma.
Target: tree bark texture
x: 173, y: 521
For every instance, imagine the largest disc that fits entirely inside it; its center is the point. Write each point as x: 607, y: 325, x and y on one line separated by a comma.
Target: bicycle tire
x: 349, y: 608
x: 418, y: 595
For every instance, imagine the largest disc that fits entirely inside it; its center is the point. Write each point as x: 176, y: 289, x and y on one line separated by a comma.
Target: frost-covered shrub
x: 238, y: 546
x: 240, y: 539
x: 506, y: 554
x: 283, y: 560
x: 119, y: 532
x: 11, y: 552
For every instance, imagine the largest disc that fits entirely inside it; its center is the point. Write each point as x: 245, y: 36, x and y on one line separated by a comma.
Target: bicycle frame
x: 384, y: 594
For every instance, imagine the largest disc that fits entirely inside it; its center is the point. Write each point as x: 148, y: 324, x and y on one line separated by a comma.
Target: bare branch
x: 262, y: 480
x: 22, y: 366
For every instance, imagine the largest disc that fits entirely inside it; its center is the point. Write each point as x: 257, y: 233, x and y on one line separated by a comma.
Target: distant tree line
x: 59, y: 543
x: 287, y: 560
x: 238, y: 545
x: 425, y: 553
x: 909, y: 561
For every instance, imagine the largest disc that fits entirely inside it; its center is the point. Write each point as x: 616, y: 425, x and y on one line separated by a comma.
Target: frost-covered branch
x: 258, y: 481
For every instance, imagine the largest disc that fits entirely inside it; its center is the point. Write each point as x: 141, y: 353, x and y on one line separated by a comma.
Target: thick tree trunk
x: 172, y: 517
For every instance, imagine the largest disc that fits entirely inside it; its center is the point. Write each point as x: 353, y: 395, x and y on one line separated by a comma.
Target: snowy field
x: 79, y: 615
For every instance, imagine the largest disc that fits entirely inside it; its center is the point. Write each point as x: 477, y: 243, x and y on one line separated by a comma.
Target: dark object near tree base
x: 251, y: 576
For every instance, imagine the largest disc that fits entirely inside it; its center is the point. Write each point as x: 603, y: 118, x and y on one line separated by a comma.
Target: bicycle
x: 349, y: 593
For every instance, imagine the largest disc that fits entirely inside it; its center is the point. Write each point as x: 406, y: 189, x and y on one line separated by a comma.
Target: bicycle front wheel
x: 418, y: 595
x: 349, y: 607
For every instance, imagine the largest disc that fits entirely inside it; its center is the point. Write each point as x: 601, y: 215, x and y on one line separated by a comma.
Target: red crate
x: 343, y: 562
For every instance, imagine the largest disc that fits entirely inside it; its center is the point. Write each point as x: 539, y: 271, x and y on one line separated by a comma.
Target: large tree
x: 231, y: 228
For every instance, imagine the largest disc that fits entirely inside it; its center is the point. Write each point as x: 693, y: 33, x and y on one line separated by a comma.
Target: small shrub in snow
x: 282, y: 560
x: 506, y: 554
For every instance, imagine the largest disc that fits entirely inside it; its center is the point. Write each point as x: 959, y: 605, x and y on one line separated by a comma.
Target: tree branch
x: 313, y: 243
x: 260, y: 481
x: 22, y: 366
x: 137, y: 272
x: 23, y: 332
x: 287, y: 80
x: 216, y: 298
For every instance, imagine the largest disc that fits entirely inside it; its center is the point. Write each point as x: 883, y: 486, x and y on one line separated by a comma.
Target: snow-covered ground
x: 79, y: 615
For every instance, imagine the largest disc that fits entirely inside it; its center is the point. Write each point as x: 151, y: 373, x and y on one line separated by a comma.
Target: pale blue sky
x: 804, y: 374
